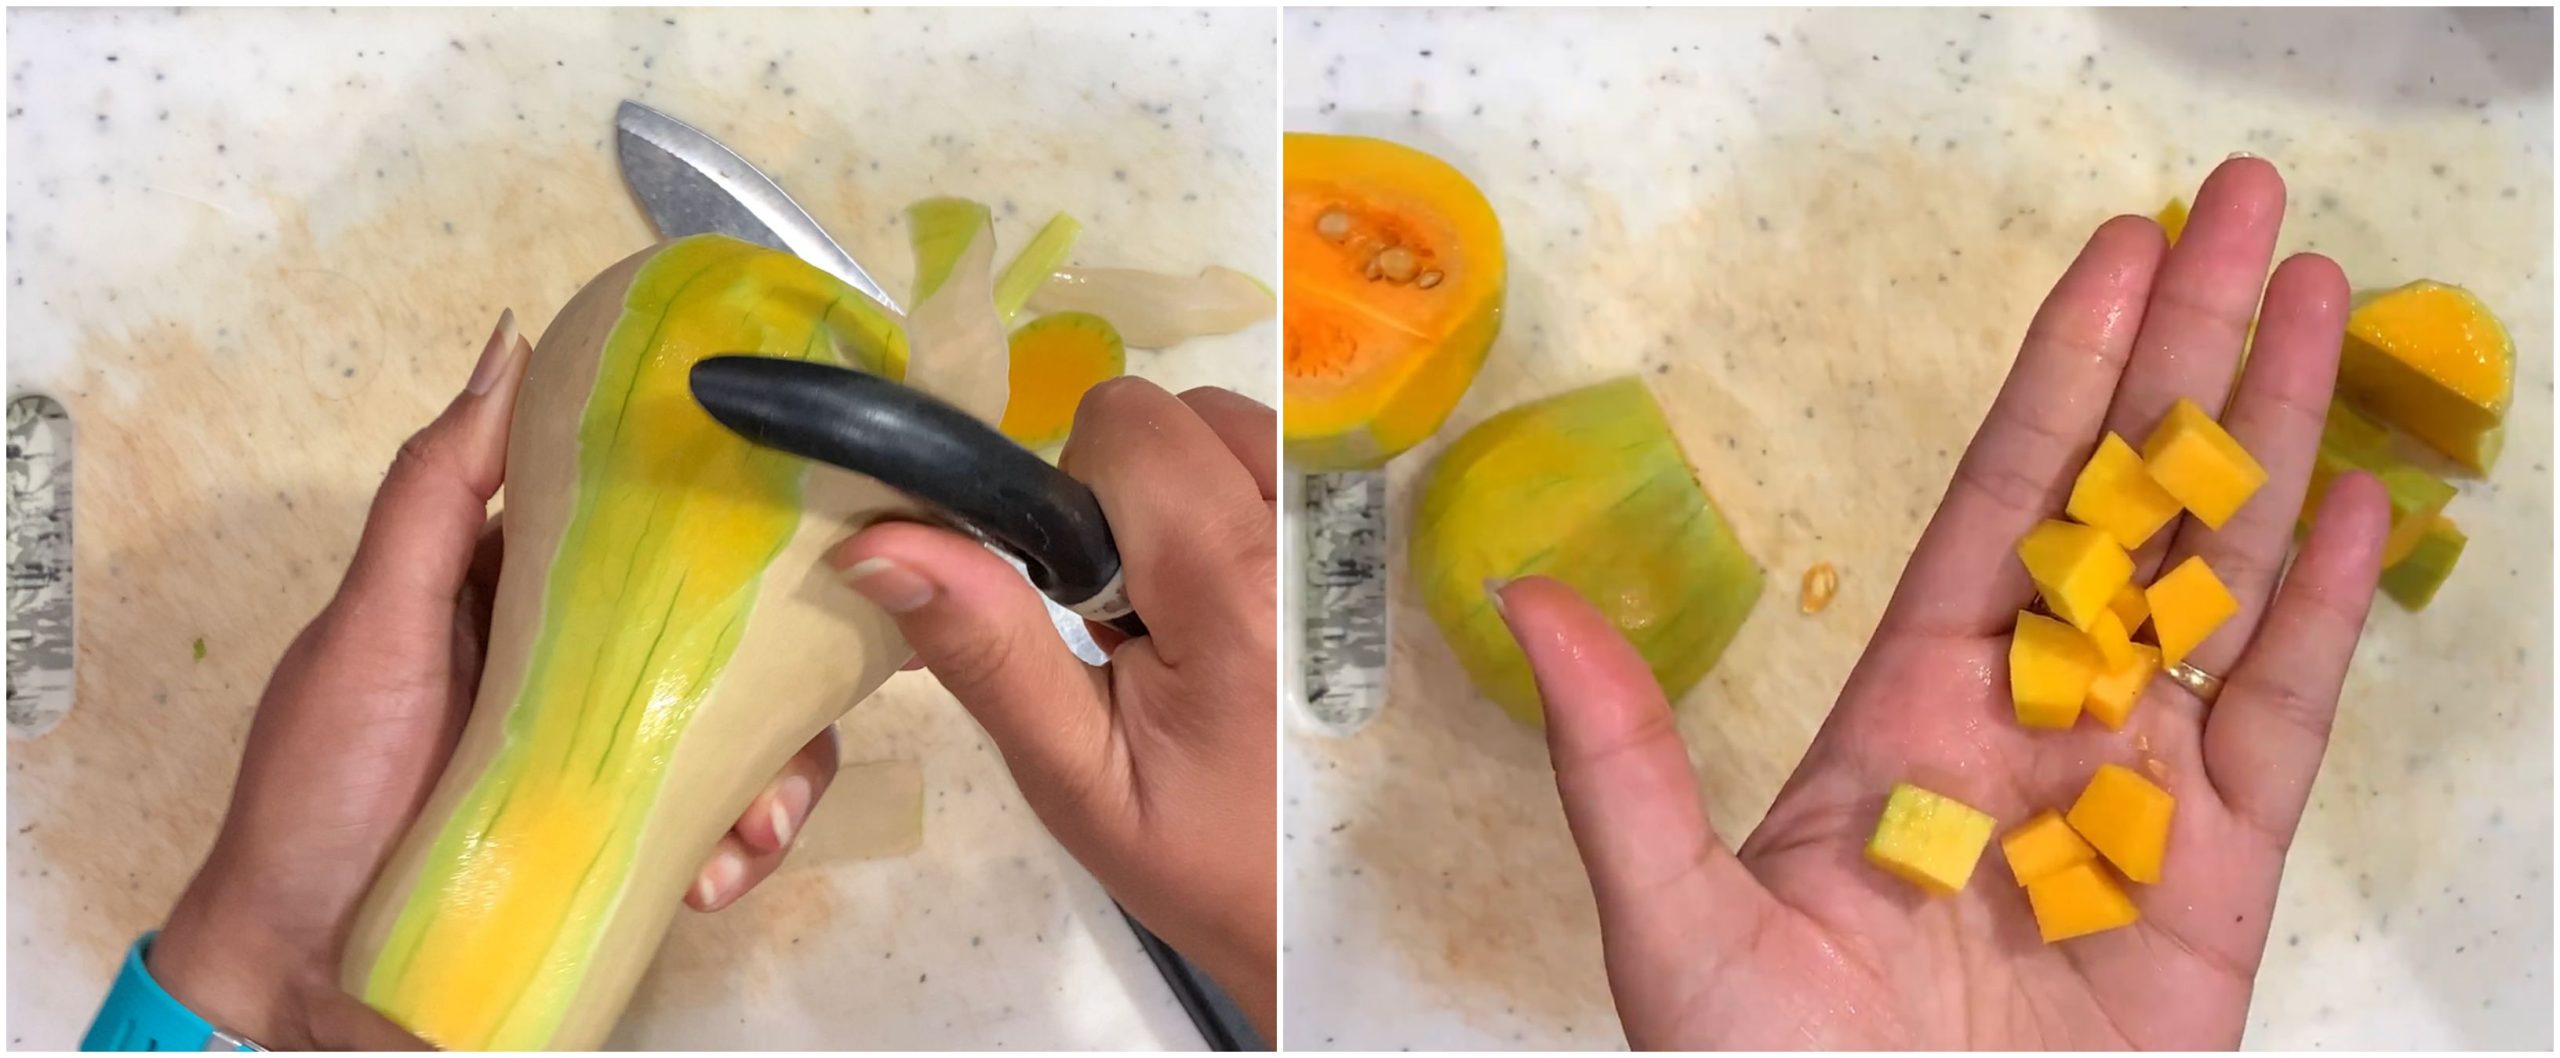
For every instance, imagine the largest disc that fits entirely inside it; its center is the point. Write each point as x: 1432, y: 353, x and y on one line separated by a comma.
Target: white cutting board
x: 251, y: 250
x: 1819, y: 236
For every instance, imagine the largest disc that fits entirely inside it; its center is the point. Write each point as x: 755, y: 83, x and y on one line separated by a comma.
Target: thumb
x: 428, y: 515
x: 1666, y: 887
x: 980, y: 627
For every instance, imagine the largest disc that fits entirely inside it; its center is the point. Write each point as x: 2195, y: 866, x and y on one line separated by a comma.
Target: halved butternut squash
x: 1393, y: 296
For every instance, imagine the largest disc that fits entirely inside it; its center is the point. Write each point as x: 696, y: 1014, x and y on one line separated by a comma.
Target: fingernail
x: 2237, y: 155
x: 718, y: 877
x: 890, y: 586
x: 790, y: 802
x: 1493, y: 590
x: 494, y: 356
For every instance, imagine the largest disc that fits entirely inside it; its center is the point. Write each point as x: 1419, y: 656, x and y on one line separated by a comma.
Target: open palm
x: 1796, y: 941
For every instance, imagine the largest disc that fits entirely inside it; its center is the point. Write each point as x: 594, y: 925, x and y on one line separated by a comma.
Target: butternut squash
x: 664, y: 637
x: 2431, y: 359
x: 1929, y: 839
x: 1588, y: 487
x: 1395, y: 280
x: 2196, y: 460
x: 2042, y: 846
x: 2077, y: 568
x: 2126, y: 818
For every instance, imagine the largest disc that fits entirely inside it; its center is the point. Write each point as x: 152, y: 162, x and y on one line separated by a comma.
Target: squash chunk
x: 2195, y: 460
x: 2077, y: 901
x: 1929, y: 840
x: 2351, y: 441
x: 2115, y: 493
x: 2172, y: 219
x: 2430, y: 359
x: 2050, y: 667
x: 2043, y: 845
x: 1588, y: 487
x: 2113, y: 642
x: 2187, y: 604
x: 2076, y: 568
x: 2127, y: 819
x: 2131, y: 607
x: 2113, y: 694
x: 2413, y: 582
x: 1394, y: 282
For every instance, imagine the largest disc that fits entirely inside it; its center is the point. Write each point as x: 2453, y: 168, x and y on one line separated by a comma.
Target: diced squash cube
x: 2076, y: 568
x: 2126, y: 818
x: 1928, y: 839
x: 2114, y: 643
x: 2431, y: 359
x: 2172, y: 219
x: 2077, y: 901
x: 2414, y: 581
x: 2114, y: 693
x: 2043, y: 845
x: 2115, y: 493
x: 2195, y: 460
x: 2187, y: 604
x: 2130, y: 607
x: 2050, y: 667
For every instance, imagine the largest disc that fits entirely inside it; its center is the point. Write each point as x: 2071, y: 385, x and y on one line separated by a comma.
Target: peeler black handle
x: 939, y: 455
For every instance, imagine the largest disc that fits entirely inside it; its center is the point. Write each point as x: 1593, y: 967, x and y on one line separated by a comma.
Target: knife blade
x: 691, y: 184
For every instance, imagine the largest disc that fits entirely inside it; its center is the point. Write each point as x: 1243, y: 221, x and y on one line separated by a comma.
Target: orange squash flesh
x: 1393, y: 295
x: 1054, y: 360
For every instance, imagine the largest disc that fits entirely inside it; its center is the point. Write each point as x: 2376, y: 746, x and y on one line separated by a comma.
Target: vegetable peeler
x: 972, y: 477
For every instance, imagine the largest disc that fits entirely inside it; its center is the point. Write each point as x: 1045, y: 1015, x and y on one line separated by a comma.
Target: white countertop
x: 1820, y: 235
x: 251, y: 250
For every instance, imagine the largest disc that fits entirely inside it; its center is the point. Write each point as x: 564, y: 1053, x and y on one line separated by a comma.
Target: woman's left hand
x: 353, y: 732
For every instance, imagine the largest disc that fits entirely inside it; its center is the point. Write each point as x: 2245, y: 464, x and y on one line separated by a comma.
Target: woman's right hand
x: 1157, y: 770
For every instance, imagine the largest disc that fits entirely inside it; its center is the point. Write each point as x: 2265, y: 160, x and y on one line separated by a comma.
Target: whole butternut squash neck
x: 672, y: 527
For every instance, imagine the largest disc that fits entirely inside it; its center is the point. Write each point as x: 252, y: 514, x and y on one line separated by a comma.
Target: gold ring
x: 2204, y: 685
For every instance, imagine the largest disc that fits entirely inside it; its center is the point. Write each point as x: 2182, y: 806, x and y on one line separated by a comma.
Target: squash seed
x: 1397, y: 263
x: 1334, y: 225
x: 1821, y: 582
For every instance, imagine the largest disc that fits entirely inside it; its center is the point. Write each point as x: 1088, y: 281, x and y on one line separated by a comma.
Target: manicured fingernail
x: 892, y: 587
x: 718, y: 877
x: 2237, y: 155
x: 789, y: 805
x: 1493, y: 590
x: 494, y: 356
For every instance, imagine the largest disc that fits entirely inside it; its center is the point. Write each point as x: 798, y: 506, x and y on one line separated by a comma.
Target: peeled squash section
x: 1055, y: 359
x: 1394, y: 293
x: 1588, y: 487
x: 637, y: 689
x: 2432, y: 360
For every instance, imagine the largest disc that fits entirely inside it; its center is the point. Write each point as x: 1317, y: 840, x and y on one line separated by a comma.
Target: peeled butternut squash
x: 664, y: 637
x: 1588, y: 487
x: 1054, y: 360
x: 1928, y: 839
x: 2431, y: 359
x: 1394, y: 293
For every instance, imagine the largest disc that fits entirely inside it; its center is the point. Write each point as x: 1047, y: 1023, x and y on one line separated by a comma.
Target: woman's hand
x: 1156, y: 770
x: 353, y: 731
x: 1796, y: 941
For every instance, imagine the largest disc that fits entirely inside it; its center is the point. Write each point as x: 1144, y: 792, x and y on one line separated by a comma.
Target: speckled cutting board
x: 251, y: 250
x: 1819, y: 237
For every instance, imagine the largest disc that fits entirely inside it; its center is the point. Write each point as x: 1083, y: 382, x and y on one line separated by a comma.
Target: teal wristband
x: 139, y: 1015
